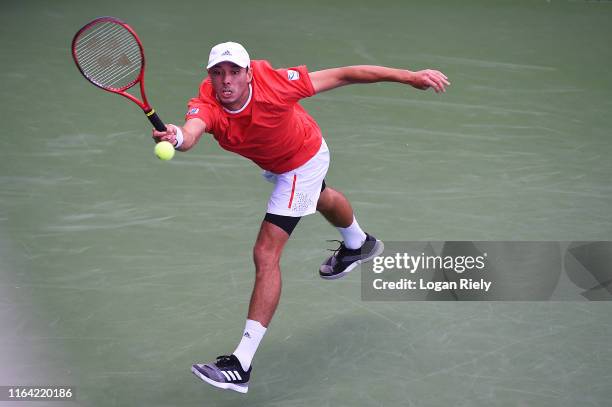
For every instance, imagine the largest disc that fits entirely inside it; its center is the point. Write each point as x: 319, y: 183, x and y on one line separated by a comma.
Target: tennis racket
x: 109, y: 54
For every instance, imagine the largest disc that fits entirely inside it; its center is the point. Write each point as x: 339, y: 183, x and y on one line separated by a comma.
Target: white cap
x: 230, y: 52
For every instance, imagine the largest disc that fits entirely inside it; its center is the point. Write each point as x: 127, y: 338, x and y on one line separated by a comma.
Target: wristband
x: 179, y: 138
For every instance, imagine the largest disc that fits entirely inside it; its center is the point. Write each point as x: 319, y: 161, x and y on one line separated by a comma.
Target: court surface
x: 118, y: 271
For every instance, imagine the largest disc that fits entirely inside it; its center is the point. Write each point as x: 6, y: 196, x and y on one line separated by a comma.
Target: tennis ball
x: 164, y: 150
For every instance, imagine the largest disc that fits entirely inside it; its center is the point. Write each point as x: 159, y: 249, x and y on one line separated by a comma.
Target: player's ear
x: 249, y: 74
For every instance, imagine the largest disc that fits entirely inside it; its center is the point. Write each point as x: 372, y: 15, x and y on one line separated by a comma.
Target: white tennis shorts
x: 296, y: 192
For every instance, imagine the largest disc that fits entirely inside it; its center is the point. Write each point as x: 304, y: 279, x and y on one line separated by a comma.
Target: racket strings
x: 109, y: 55
x: 95, y: 49
x: 111, y: 58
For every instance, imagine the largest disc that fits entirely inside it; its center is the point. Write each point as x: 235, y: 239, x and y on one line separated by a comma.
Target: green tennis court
x: 119, y: 271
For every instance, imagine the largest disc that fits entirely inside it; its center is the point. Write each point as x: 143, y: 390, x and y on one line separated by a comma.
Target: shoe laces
x: 340, y: 250
x: 224, y: 360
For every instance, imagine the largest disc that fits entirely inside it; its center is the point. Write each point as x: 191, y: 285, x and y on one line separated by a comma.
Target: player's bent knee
x: 325, y: 200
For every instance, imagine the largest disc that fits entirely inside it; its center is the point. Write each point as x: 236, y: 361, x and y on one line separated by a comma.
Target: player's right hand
x: 168, y: 135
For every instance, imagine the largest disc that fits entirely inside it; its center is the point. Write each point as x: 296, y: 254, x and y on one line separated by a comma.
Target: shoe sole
x: 226, y: 386
x: 379, y: 247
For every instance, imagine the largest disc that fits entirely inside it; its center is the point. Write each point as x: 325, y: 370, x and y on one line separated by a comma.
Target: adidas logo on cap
x: 227, y: 52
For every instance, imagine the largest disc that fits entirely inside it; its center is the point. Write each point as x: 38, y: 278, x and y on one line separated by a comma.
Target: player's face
x: 231, y: 84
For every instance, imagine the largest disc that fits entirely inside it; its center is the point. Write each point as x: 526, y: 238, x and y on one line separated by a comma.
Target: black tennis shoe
x: 225, y: 373
x: 345, y: 260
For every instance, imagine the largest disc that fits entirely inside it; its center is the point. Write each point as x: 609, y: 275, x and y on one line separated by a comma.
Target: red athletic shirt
x: 273, y: 130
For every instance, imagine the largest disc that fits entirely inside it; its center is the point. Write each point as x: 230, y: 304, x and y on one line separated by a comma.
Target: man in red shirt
x: 252, y: 109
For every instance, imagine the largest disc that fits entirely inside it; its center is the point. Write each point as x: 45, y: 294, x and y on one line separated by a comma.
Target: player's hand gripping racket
x: 109, y: 54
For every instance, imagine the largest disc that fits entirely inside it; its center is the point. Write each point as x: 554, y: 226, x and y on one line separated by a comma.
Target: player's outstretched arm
x: 192, y: 130
x: 328, y: 79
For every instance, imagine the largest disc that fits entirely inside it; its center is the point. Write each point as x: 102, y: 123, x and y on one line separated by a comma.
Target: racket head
x: 109, y: 54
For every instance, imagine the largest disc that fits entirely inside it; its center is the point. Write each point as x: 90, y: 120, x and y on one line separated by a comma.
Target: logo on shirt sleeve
x: 293, y: 75
x: 193, y: 110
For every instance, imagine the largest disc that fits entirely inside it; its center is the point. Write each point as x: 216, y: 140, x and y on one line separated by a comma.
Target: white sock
x: 253, y: 334
x: 353, y: 236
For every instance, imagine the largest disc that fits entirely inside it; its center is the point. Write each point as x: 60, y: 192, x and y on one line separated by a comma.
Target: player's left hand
x: 430, y: 78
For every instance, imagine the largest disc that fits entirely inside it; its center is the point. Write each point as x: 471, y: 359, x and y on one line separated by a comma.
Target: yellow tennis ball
x: 164, y: 150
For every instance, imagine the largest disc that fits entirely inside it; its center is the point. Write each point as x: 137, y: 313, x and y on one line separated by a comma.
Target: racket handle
x: 155, y: 120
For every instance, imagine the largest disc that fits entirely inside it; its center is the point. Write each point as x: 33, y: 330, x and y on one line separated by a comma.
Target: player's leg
x: 295, y: 194
x: 334, y: 206
x: 357, y: 247
x: 234, y: 371
x: 266, y: 254
x: 273, y: 235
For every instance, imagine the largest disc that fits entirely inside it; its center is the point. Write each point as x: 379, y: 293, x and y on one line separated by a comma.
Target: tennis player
x: 252, y: 109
